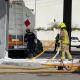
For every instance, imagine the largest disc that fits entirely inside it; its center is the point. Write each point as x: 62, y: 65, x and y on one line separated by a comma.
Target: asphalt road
x: 74, y: 51
x: 44, y: 76
x: 48, y: 76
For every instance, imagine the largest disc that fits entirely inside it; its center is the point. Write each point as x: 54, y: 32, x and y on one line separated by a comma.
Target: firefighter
x: 64, y: 41
x: 29, y: 38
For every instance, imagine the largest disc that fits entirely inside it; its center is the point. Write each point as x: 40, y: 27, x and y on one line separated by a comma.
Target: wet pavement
x: 44, y: 76
x: 47, y: 76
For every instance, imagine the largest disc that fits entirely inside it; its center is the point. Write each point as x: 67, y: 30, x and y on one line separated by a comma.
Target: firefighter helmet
x: 62, y: 25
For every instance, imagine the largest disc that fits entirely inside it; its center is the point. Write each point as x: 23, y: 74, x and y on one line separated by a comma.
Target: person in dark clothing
x: 57, y: 43
x: 30, y: 38
x: 39, y: 47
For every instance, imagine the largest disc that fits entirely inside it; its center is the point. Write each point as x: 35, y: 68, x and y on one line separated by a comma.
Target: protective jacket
x: 64, y: 37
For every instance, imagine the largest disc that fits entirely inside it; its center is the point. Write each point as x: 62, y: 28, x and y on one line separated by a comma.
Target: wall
x: 2, y: 28
x: 76, y: 12
x: 47, y: 35
x: 46, y: 11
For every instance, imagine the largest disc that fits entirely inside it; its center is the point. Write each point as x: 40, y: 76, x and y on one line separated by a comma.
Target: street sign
x: 27, y: 22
